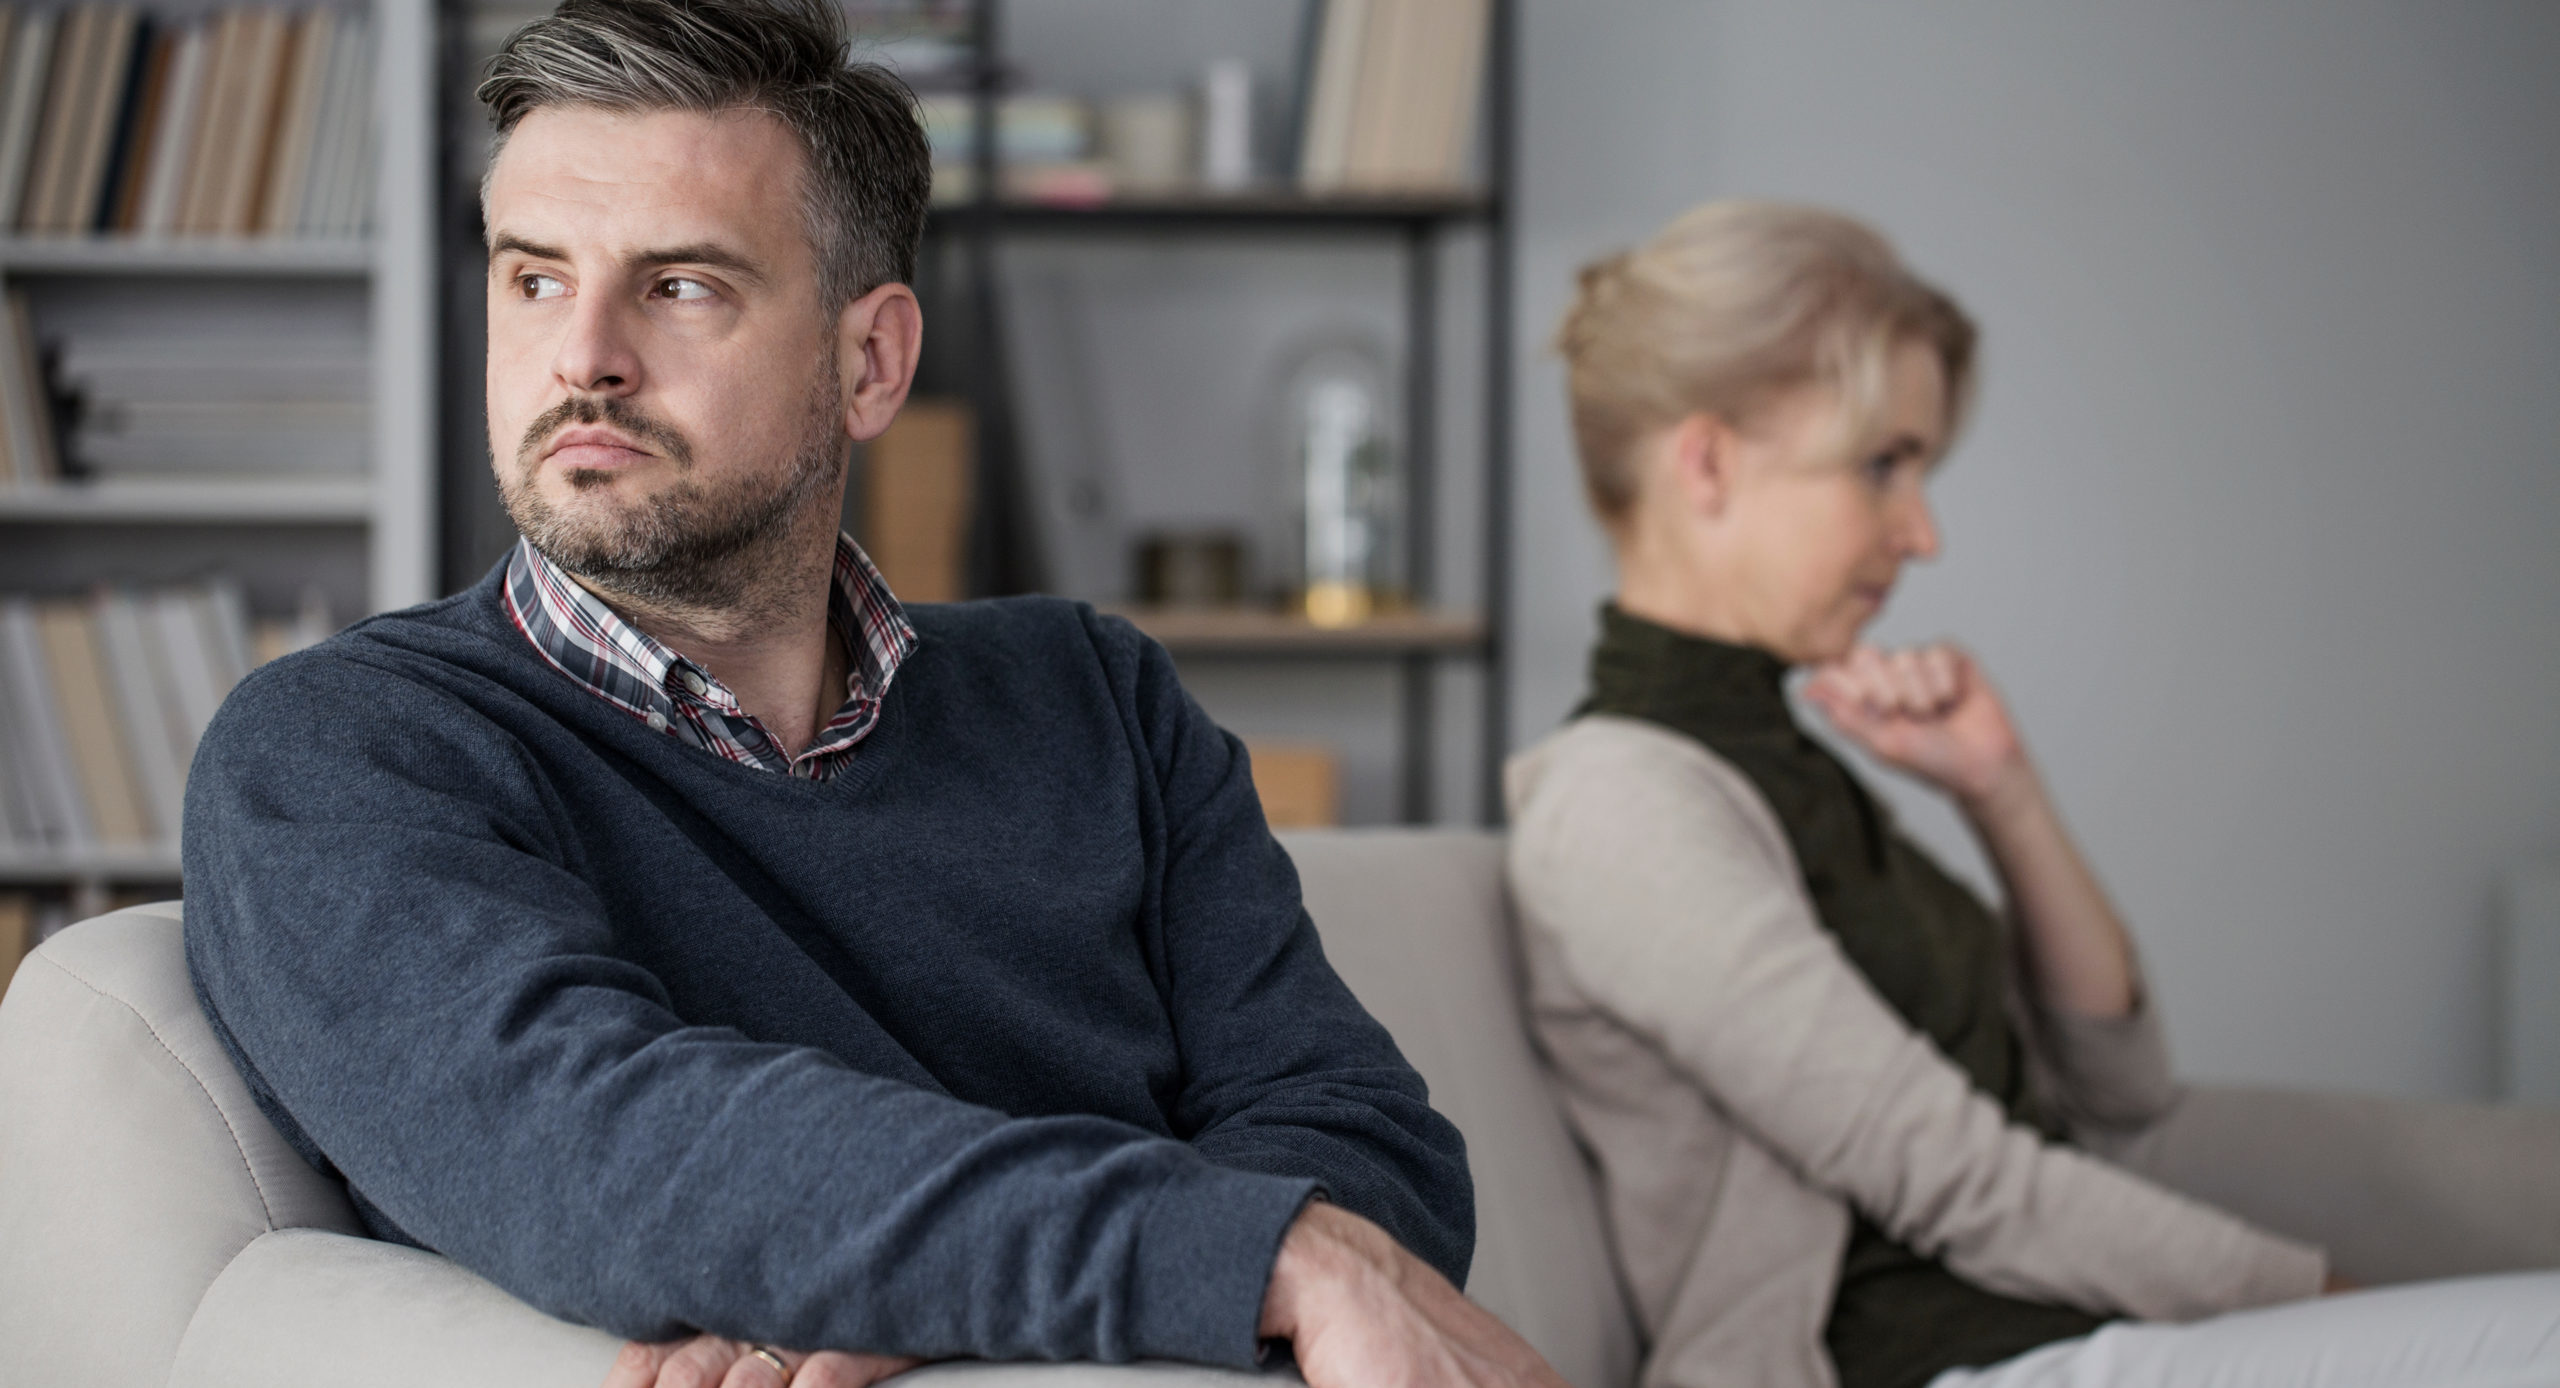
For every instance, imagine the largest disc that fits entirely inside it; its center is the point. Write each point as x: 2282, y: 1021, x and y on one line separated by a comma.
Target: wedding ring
x: 768, y: 1356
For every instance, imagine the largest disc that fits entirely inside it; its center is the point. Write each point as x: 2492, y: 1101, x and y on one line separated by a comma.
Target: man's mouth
x: 589, y: 447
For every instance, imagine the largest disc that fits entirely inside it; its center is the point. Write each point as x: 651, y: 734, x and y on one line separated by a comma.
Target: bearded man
x: 680, y: 933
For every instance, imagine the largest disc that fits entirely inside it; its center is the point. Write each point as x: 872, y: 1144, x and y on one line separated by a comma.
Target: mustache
x: 603, y: 409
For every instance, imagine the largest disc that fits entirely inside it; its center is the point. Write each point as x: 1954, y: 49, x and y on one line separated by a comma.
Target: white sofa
x: 154, y: 1229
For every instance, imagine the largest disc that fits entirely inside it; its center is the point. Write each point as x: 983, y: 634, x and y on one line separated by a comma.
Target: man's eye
x: 540, y: 287
x: 679, y: 288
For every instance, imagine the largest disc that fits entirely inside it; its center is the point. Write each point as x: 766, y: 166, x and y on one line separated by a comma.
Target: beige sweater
x: 1742, y: 1087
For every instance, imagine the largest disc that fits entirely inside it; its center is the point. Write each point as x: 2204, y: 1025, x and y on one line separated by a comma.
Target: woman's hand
x: 708, y: 1361
x: 1927, y: 711
x: 1930, y: 712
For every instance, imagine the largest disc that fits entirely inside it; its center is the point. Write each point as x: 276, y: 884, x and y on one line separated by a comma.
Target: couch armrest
x: 301, y: 1308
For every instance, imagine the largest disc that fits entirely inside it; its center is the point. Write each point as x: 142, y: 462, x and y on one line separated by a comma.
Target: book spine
x: 142, y: 121
x: 47, y: 752
x: 131, y: 657
x: 98, y: 752
x: 22, y: 108
x: 171, y: 146
x: 1333, y: 89
x: 313, y: 45
x: 128, y: 53
x: 200, y: 202
x: 62, y: 89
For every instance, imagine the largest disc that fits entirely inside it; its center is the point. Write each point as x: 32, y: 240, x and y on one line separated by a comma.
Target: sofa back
x: 134, y: 1166
x: 1418, y: 923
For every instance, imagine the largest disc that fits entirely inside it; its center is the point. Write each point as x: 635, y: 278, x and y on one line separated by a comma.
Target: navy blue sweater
x: 1010, y: 1040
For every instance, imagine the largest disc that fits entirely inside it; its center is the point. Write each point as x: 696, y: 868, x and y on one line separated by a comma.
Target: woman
x: 1846, y: 1116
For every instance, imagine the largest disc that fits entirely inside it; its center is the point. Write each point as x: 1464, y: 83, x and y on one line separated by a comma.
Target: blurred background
x: 1236, y: 322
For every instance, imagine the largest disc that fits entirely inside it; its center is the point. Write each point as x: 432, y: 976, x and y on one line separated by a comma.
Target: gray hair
x: 868, y: 171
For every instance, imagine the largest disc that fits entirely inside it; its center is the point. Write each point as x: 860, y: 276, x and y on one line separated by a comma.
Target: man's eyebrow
x: 505, y: 242
x: 702, y: 253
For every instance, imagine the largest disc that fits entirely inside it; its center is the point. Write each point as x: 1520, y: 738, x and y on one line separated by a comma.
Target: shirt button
x: 657, y: 721
x: 691, y: 681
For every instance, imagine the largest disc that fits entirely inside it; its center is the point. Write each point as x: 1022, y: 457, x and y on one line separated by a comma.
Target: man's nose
x: 597, y: 355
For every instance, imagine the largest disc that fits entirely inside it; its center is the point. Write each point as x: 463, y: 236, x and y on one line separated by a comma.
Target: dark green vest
x: 1929, y: 946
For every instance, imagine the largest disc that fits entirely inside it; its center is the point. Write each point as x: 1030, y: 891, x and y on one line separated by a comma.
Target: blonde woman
x: 1849, y: 1118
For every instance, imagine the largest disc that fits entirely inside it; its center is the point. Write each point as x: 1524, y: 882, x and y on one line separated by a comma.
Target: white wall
x: 2256, y: 523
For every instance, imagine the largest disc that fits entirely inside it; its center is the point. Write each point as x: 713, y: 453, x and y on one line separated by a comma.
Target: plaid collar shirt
x: 619, y: 663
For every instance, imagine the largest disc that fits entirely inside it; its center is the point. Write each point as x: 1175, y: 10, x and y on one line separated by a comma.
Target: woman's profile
x: 1852, y: 1123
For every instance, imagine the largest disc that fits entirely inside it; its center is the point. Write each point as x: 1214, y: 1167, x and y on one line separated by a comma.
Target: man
x: 678, y: 933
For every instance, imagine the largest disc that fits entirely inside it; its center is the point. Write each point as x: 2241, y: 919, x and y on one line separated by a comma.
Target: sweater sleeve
x: 1675, y: 907
x: 1284, y: 1072
x: 416, y: 976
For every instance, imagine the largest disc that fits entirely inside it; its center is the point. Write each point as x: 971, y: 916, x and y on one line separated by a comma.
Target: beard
x: 687, y: 547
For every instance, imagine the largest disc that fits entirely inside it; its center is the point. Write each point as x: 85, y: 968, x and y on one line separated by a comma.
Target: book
x: 329, y: 132
x: 26, y: 411
x: 147, y: 716
x: 132, y: 144
x: 915, y: 501
x: 1299, y: 784
x: 17, y: 934
x: 200, y: 201
x: 109, y: 78
x: 58, y: 134
x: 53, y: 786
x: 346, y: 191
x: 22, y: 83
x: 297, y: 123
x: 181, y: 108
x: 236, y: 203
x: 1369, y: 155
x: 21, y: 824
x: 1325, y: 132
x: 99, y: 755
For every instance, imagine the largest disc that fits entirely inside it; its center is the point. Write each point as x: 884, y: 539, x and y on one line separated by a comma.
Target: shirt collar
x: 585, y: 639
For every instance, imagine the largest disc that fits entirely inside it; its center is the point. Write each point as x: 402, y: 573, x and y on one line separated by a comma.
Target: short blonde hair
x: 1730, y: 306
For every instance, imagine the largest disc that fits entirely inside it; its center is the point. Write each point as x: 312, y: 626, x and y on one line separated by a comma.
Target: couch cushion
x: 1417, y: 923
x: 133, y: 1164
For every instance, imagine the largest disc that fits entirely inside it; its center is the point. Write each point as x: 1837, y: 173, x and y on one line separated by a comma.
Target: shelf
x: 265, y: 256
x: 117, y: 863
x: 1232, y: 212
x: 252, y: 501
x: 1246, y: 631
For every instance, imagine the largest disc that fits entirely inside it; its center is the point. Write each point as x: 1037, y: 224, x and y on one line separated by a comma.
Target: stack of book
x: 168, y: 405
x: 243, y: 122
x: 162, y: 407
x: 102, y: 700
x: 1390, y: 97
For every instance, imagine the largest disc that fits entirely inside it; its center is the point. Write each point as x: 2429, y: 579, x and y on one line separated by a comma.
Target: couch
x: 154, y: 1229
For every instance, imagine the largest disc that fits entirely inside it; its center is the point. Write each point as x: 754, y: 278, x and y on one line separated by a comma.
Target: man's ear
x: 1701, y: 464
x: 878, y: 339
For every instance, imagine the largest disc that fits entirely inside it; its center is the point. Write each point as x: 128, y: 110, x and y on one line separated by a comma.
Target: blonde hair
x: 1730, y: 306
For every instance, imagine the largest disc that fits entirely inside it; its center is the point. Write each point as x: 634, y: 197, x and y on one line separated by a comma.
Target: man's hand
x: 707, y: 1361
x: 1361, y: 1312
x: 1927, y: 711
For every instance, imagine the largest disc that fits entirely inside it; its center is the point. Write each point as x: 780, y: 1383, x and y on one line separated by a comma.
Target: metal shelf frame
x: 1417, y: 222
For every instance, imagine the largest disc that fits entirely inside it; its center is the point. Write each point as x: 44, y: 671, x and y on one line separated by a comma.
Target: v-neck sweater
x: 1011, y: 1040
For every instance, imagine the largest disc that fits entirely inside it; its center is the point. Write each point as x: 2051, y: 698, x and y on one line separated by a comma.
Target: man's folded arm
x: 1285, y: 1072
x: 417, y: 978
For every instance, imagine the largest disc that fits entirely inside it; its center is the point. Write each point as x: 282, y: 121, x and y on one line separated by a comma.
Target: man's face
x: 662, y: 374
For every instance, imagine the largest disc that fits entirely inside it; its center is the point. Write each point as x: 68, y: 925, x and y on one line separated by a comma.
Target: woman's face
x: 1821, y: 517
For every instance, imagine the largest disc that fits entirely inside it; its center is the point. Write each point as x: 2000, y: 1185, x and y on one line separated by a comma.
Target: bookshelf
x: 361, y: 537
x: 1417, y: 225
